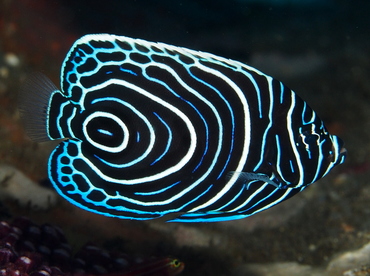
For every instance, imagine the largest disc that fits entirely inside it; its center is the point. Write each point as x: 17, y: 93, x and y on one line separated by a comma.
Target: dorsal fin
x: 33, y: 104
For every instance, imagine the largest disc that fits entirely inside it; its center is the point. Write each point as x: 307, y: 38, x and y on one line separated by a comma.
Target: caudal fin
x: 33, y: 104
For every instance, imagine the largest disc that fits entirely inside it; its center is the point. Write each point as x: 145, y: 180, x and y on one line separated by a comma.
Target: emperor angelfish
x: 152, y: 130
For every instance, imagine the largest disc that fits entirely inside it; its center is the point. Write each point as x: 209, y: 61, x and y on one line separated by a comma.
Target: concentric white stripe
x: 162, y: 174
x: 247, y: 130
x: 198, y: 58
x: 176, y: 112
x: 101, y: 114
x: 150, y: 128
x: 297, y: 160
x: 268, y: 127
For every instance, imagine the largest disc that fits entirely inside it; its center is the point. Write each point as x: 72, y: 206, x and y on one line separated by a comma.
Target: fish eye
x: 175, y: 263
x: 330, y: 156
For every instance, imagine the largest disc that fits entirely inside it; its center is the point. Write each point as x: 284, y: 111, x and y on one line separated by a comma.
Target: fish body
x: 160, y: 267
x: 155, y: 130
x: 155, y: 267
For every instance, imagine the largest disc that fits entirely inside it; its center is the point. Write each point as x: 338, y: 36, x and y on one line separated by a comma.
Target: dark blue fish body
x: 155, y: 130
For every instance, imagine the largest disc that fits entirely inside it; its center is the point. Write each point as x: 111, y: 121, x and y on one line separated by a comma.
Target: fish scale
x: 158, y: 130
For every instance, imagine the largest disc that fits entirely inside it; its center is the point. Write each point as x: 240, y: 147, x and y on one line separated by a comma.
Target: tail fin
x: 33, y: 103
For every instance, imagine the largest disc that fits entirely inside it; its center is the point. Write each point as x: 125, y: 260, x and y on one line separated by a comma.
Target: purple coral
x: 27, y: 249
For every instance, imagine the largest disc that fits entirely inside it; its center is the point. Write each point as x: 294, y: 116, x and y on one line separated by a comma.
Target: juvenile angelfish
x: 150, y: 129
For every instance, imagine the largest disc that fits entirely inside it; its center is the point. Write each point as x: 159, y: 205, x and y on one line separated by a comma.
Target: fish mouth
x: 339, y: 152
x: 342, y: 155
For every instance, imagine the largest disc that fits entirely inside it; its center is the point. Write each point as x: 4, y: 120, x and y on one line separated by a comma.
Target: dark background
x: 320, y: 49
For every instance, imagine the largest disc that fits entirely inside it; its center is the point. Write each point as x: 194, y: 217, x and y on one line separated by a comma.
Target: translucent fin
x: 248, y: 178
x: 33, y: 103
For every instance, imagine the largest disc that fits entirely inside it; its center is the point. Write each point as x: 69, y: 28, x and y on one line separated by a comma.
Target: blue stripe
x: 158, y: 191
x: 169, y: 140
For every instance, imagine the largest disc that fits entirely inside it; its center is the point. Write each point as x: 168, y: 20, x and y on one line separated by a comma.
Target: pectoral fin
x: 248, y: 178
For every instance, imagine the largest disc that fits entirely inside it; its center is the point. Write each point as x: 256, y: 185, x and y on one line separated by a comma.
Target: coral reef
x: 29, y: 249
x: 14, y: 185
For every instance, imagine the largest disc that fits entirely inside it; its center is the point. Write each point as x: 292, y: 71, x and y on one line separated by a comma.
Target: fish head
x: 315, y: 143
x: 307, y: 153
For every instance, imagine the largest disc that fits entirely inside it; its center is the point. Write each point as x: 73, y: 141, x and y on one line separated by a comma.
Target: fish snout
x: 338, y: 152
